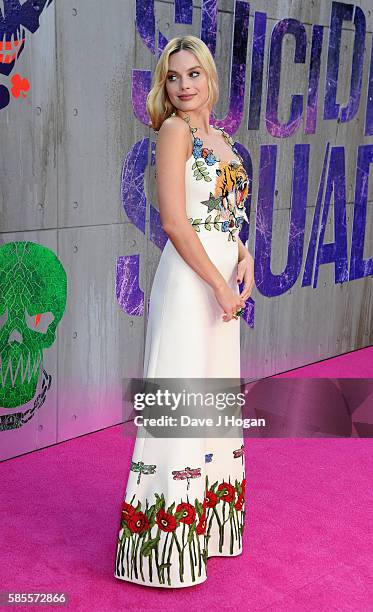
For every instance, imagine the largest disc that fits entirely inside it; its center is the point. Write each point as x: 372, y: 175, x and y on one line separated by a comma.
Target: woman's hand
x: 229, y: 300
x: 245, y: 272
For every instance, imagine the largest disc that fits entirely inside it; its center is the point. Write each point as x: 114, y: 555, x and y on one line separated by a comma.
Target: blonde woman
x: 185, y: 497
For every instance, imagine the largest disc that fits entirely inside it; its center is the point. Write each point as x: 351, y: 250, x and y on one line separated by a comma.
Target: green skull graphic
x: 33, y: 291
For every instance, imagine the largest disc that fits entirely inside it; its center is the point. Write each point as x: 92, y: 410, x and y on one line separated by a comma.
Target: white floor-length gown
x: 185, y: 497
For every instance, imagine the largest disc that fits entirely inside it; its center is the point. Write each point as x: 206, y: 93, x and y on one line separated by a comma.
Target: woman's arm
x: 245, y: 270
x: 171, y: 154
x: 242, y: 250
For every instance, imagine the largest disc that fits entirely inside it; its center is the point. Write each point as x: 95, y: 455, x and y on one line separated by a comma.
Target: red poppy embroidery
x: 138, y: 522
x: 211, y: 499
x: 229, y: 493
x: 201, y: 526
x: 165, y: 521
x: 188, y: 513
x: 240, y: 502
x: 127, y: 510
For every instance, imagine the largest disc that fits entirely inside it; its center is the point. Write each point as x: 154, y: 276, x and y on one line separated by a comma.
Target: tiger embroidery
x: 232, y: 177
x: 226, y: 179
x: 242, y: 187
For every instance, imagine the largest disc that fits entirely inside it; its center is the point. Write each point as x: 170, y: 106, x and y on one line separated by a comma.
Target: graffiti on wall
x: 263, y: 106
x: 33, y: 293
x: 15, y: 19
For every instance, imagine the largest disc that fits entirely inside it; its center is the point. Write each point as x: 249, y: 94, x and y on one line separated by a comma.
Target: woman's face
x: 186, y: 77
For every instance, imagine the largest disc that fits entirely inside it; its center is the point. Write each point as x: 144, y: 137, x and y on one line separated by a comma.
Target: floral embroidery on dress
x: 207, y: 155
x: 187, y: 526
x: 232, y: 180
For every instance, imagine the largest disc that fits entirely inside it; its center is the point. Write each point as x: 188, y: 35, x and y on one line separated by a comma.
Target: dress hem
x: 180, y: 586
x: 157, y: 586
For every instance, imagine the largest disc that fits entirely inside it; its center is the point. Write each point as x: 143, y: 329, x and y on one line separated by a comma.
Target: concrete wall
x: 77, y: 176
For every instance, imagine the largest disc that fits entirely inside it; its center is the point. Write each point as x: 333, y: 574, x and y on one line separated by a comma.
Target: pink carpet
x: 307, y: 542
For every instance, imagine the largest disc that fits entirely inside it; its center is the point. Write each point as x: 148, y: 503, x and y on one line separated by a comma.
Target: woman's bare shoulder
x: 173, y: 135
x: 173, y: 127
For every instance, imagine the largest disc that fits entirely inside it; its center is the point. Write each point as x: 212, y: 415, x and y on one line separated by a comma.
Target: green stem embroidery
x: 221, y: 531
x: 183, y: 546
x: 119, y: 551
x: 169, y: 562
x: 194, y: 552
x: 192, y: 563
x: 217, y: 517
x: 199, y: 556
x: 208, y: 530
x: 133, y: 550
x: 235, y: 523
x: 150, y: 560
x: 156, y: 551
x: 121, y: 554
x: 163, y: 557
x: 127, y: 556
x: 141, y: 557
x: 232, y: 538
x: 181, y: 558
x: 139, y: 536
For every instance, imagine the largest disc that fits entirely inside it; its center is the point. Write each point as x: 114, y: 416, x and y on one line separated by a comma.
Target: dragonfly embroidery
x: 187, y: 474
x: 141, y: 468
x: 239, y: 453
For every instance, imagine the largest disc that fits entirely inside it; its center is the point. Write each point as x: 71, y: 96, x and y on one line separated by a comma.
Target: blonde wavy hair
x: 158, y: 103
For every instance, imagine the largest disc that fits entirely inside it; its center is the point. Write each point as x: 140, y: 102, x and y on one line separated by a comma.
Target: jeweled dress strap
x: 187, y: 121
x: 229, y: 140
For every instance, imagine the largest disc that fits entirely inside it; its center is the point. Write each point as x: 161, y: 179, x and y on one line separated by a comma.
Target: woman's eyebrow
x: 189, y: 69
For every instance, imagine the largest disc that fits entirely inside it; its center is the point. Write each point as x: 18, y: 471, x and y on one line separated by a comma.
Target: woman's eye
x: 170, y: 76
